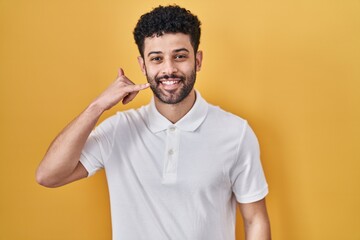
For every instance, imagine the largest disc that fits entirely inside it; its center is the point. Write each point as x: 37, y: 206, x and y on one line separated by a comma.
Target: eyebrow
x: 176, y: 51
x: 154, y: 52
x: 180, y: 50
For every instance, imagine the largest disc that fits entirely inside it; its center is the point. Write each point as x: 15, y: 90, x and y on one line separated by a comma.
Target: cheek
x: 151, y: 70
x: 151, y: 73
x: 189, y: 68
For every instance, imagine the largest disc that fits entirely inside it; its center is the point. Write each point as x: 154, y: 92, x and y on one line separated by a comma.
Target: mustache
x: 169, y: 76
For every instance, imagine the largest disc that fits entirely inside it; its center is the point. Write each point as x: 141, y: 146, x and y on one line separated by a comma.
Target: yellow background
x: 290, y: 67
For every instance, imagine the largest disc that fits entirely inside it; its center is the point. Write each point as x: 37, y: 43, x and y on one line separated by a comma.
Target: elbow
x: 44, y: 180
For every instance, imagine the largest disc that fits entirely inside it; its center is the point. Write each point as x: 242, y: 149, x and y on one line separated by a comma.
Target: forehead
x: 166, y: 43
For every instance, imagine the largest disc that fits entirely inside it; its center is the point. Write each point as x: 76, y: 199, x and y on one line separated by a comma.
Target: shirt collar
x: 190, y: 122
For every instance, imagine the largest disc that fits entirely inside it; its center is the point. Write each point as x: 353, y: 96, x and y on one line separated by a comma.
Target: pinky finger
x: 136, y: 88
x: 133, y: 90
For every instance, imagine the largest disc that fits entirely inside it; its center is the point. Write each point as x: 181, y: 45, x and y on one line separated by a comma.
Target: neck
x: 174, y: 112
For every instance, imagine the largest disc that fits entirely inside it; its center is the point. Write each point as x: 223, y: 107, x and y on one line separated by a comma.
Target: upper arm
x: 246, y: 174
x: 254, y: 211
x: 256, y: 220
x: 78, y: 173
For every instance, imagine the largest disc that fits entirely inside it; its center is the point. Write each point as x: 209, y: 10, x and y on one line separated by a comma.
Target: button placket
x: 171, y: 155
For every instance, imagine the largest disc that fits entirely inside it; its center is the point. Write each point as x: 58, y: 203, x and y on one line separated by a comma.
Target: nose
x: 169, y: 67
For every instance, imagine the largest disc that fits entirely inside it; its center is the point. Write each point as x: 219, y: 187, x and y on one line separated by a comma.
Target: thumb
x: 120, y: 72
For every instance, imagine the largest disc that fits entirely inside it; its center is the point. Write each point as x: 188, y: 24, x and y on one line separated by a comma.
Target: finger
x: 134, y: 91
x: 128, y: 98
x: 123, y: 78
x: 135, y: 87
x: 126, y: 80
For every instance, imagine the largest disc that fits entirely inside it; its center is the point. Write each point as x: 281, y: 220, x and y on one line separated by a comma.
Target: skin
x: 167, y: 55
x: 256, y: 220
x: 171, y: 54
x: 61, y: 164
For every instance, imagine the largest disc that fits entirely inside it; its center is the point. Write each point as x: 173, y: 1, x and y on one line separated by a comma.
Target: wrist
x: 95, y: 109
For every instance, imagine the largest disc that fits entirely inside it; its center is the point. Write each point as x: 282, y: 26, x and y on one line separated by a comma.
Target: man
x: 176, y: 168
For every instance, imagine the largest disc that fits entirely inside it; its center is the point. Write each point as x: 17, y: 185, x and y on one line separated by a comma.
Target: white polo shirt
x: 176, y: 181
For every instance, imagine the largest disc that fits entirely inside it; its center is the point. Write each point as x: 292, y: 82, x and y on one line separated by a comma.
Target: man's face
x: 170, y: 66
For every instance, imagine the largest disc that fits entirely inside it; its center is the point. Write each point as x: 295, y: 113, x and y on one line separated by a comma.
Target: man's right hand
x: 61, y: 163
x: 122, y: 89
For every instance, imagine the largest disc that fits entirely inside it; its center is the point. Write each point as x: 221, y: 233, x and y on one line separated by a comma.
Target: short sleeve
x: 98, y: 146
x: 247, y: 175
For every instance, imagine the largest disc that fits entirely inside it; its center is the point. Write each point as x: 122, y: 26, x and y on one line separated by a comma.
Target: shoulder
x: 132, y: 114
x: 221, y: 117
x: 126, y: 117
x: 230, y: 127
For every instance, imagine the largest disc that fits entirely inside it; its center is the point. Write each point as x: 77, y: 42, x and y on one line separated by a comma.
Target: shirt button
x: 171, y: 152
x: 172, y: 129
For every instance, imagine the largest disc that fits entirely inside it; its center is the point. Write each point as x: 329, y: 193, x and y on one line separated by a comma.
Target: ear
x: 142, y: 65
x: 198, y: 60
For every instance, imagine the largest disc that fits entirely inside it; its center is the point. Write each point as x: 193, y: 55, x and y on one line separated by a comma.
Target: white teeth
x: 169, y: 82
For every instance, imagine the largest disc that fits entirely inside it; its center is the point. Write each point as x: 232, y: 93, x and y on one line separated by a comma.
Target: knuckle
x: 122, y: 84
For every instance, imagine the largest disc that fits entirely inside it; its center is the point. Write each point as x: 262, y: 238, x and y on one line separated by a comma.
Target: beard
x: 175, y: 96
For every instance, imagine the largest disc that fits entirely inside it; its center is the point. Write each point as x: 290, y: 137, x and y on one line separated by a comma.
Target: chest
x: 189, y: 162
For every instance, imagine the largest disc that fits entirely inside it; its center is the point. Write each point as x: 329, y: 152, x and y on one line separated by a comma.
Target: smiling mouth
x: 169, y: 82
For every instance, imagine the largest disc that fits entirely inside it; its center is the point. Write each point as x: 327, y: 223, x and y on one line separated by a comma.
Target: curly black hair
x: 168, y: 19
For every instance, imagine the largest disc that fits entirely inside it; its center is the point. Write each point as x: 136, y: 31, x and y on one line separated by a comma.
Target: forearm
x: 60, y: 164
x: 64, y: 152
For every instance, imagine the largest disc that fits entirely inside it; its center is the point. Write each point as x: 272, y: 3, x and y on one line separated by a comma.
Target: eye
x: 156, y: 59
x: 181, y: 56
